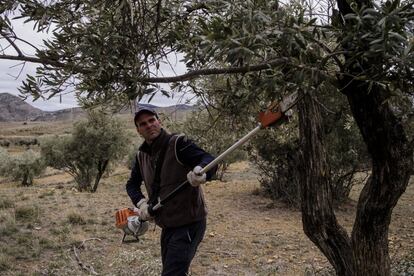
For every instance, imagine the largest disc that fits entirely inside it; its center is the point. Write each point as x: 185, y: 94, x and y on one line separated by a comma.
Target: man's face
x: 148, y: 126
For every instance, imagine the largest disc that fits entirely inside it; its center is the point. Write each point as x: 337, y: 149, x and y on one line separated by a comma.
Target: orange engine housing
x: 121, y: 217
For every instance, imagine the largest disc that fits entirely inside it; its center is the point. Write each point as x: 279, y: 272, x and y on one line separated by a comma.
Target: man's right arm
x: 133, y: 185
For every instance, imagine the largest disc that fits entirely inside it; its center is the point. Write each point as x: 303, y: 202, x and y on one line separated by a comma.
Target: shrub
x: 24, y: 167
x: 4, y: 143
x: 277, y: 159
x: 276, y: 152
x: 7, y: 227
x: 88, y: 152
x: 5, y: 262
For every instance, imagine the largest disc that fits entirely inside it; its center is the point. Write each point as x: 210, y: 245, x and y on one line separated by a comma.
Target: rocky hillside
x: 14, y: 109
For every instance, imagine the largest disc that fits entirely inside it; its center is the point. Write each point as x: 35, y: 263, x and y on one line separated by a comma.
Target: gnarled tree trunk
x: 366, y: 251
x: 319, y: 221
x: 392, y: 157
x: 392, y: 162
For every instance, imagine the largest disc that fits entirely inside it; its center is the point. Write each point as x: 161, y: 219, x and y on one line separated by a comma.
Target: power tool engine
x: 130, y: 223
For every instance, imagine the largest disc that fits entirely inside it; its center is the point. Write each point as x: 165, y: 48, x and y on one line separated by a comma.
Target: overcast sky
x: 12, y: 73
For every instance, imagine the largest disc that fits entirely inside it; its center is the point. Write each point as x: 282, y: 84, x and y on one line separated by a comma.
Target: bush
x: 24, y: 167
x: 277, y: 158
x: 88, y: 152
x: 8, y: 227
x: 4, y: 143
x: 276, y: 152
x: 5, y: 262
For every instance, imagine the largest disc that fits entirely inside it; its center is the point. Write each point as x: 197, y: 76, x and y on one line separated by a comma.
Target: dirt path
x: 248, y: 235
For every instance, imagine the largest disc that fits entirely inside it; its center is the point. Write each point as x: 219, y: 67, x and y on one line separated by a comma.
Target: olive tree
x: 362, y: 48
x: 23, y: 167
x: 88, y: 152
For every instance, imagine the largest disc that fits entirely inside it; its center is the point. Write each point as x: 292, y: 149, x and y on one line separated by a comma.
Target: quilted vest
x: 188, y: 205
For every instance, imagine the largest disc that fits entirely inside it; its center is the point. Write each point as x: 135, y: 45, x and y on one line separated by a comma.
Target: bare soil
x: 52, y: 229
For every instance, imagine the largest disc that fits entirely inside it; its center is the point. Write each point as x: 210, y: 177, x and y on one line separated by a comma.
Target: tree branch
x: 34, y: 60
x: 19, y: 52
x: 216, y: 71
x: 185, y: 77
x: 28, y: 43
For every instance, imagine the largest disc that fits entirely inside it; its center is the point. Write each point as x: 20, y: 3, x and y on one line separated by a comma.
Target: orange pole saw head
x: 270, y: 116
x: 277, y: 110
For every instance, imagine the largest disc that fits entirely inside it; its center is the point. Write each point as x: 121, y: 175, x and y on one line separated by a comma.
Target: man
x: 163, y: 162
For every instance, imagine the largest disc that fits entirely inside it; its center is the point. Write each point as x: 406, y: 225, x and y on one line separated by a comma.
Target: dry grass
x: 43, y: 226
x: 247, y: 234
x: 6, y: 203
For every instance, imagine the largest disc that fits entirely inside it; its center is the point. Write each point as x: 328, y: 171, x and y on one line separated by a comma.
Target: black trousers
x: 178, y: 247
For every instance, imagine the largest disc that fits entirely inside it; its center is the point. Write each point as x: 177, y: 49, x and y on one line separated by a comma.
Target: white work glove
x: 195, y: 177
x: 142, y: 210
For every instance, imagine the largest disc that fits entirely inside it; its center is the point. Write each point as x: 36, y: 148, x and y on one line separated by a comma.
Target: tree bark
x: 392, y: 162
x: 319, y: 221
x: 101, y: 170
x: 25, y: 180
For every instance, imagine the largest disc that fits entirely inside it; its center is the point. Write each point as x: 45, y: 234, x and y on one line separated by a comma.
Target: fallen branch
x: 88, y: 268
x: 83, y: 242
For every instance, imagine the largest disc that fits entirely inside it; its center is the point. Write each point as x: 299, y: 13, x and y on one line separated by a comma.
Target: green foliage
x: 23, y: 167
x: 381, y: 39
x: 132, y: 154
x: 213, y: 133
x: 276, y: 152
x: 88, y: 152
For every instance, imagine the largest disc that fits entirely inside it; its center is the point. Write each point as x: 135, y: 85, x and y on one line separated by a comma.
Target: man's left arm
x: 192, y: 155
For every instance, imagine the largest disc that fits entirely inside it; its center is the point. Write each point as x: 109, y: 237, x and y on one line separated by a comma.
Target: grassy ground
x: 51, y: 229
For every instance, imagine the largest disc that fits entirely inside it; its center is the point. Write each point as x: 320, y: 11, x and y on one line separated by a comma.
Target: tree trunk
x: 392, y: 162
x: 392, y: 157
x: 319, y: 221
x: 83, y: 180
x: 366, y: 253
x: 101, y: 171
x: 25, y: 180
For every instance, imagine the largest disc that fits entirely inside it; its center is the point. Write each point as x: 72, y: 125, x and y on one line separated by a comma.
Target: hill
x: 15, y: 109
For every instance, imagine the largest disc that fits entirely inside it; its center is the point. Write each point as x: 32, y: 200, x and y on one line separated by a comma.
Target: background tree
x: 213, y: 133
x: 270, y: 49
x: 23, y: 167
x: 87, y: 153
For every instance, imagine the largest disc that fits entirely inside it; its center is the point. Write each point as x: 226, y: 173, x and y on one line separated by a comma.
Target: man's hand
x: 195, y: 177
x: 142, y: 211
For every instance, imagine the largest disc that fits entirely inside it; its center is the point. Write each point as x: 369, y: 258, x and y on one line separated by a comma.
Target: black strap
x: 155, y: 187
